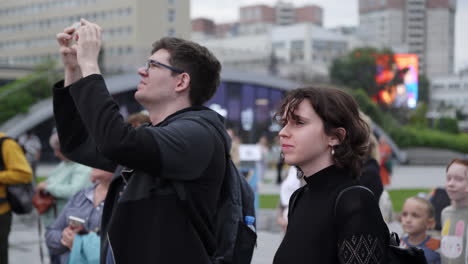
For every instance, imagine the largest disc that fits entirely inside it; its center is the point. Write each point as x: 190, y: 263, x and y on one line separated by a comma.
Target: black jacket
x: 143, y: 220
x: 315, y: 234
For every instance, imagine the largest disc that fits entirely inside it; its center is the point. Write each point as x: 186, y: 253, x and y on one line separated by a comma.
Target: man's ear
x: 183, y: 82
x: 338, y: 137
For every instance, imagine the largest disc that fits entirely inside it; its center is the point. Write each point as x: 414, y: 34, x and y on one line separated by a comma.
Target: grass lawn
x: 399, y: 196
x: 41, y: 178
x: 270, y: 201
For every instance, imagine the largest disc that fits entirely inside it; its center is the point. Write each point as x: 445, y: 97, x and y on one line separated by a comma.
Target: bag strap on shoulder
x: 182, y: 194
x: 2, y: 164
x: 293, y: 201
x: 338, y: 197
x: 206, y: 123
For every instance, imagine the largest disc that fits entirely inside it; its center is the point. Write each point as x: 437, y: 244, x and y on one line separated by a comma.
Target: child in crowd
x: 416, y: 218
x: 455, y: 216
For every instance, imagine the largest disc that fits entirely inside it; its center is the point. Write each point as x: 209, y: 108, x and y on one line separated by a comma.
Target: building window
x: 171, y: 15
x: 171, y: 32
x: 278, y: 45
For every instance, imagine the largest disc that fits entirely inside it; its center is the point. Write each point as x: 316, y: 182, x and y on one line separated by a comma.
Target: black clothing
x: 316, y: 235
x: 279, y: 169
x: 143, y: 219
x: 5, y: 228
x: 370, y: 177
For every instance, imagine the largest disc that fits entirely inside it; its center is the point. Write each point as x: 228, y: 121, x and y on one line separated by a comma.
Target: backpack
x: 395, y: 254
x: 439, y: 200
x: 235, y: 240
x: 19, y: 196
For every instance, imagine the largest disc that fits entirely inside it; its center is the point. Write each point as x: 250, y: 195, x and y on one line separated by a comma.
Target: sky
x: 336, y: 13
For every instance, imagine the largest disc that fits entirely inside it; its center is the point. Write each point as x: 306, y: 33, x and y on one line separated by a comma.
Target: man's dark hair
x: 197, y: 61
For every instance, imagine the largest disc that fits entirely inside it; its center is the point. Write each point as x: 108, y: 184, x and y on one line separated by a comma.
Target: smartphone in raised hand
x: 77, y: 223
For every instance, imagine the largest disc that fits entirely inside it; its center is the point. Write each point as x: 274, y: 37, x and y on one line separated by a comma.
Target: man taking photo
x: 143, y: 220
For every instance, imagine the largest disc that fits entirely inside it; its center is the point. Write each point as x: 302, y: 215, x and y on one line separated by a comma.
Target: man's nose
x: 142, y: 71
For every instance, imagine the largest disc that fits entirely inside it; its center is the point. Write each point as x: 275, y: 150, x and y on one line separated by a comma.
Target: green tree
x: 358, y: 69
x: 16, y: 97
x: 423, y: 88
x: 418, y: 116
x: 447, y: 124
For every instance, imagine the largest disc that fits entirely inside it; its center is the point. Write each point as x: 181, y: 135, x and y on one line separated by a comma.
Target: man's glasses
x: 153, y: 63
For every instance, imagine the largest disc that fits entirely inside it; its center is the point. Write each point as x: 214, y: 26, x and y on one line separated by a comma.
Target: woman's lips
x: 286, y: 147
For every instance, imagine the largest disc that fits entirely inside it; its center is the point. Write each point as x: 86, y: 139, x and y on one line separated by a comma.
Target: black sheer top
x: 355, y: 233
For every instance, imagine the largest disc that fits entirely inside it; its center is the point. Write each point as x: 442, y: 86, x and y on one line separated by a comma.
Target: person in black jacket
x: 326, y: 139
x: 144, y: 221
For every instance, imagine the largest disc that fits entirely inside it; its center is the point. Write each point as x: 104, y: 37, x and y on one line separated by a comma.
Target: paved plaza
x: 24, y: 239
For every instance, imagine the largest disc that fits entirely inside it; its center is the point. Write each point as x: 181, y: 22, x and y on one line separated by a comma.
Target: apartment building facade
x: 28, y: 28
x: 422, y: 27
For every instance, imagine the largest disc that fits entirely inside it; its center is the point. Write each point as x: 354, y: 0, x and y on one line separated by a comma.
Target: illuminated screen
x: 397, y: 80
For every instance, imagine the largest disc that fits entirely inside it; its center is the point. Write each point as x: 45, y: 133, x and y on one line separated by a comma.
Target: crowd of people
x: 115, y: 189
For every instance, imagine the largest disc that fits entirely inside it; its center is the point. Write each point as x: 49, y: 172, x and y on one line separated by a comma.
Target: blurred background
x: 404, y: 61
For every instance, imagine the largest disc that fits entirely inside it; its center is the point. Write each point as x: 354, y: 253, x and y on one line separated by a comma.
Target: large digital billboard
x: 397, y: 80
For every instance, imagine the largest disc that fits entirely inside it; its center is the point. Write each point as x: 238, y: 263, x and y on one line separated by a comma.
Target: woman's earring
x: 333, y: 150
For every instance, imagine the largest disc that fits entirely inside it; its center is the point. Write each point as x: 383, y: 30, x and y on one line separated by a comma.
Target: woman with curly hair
x: 324, y: 136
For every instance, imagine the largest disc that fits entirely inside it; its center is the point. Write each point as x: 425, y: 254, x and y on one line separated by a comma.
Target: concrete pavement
x: 24, y: 241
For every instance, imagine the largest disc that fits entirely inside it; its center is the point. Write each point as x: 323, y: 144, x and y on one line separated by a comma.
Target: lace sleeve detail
x: 362, y: 234
x: 361, y: 249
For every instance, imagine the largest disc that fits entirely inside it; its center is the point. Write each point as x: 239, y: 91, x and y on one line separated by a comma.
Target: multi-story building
x: 302, y: 49
x: 423, y: 27
x: 255, y: 19
x: 309, y: 46
x: 28, y: 28
x: 449, y: 92
x: 204, y: 27
x: 285, y: 13
x: 440, y: 37
x: 309, y: 13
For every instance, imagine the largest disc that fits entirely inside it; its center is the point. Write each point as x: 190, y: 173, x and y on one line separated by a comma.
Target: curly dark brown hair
x: 202, y: 66
x: 336, y: 109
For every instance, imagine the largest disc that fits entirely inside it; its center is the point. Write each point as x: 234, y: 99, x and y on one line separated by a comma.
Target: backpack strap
x: 182, y: 194
x: 293, y: 201
x: 2, y: 163
x: 345, y: 190
x: 206, y: 123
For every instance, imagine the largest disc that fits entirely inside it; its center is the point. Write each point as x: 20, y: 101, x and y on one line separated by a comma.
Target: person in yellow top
x: 15, y: 170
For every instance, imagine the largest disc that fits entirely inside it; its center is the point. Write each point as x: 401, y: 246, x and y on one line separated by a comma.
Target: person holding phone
x: 81, y: 215
x: 144, y: 221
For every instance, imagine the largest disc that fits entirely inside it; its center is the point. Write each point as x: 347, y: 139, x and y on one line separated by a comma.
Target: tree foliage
x: 423, y: 89
x: 357, y: 70
x: 416, y: 133
x: 16, y: 97
x: 418, y: 116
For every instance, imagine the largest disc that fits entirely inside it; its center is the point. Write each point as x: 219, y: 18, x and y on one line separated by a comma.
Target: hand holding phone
x: 76, y: 223
x: 74, y: 37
